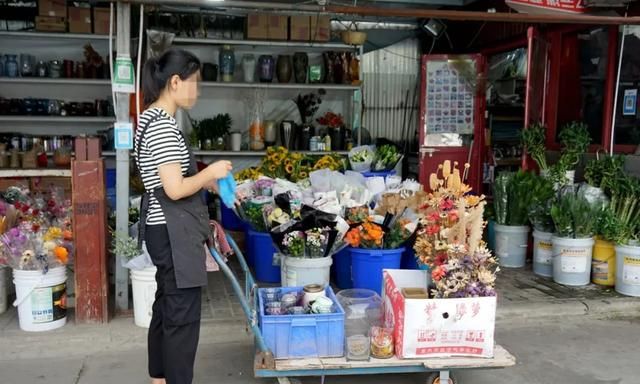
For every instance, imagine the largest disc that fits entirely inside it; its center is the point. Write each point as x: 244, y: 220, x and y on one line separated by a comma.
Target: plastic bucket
x: 603, y: 264
x: 143, y: 285
x: 511, y: 245
x: 4, y: 289
x: 342, y: 269
x: 572, y: 260
x: 41, y: 299
x: 298, y: 272
x: 250, y: 258
x: 230, y: 221
x: 628, y: 270
x: 409, y: 259
x: 379, y: 173
x: 491, y: 235
x: 262, y: 250
x: 367, y: 266
x: 542, y: 253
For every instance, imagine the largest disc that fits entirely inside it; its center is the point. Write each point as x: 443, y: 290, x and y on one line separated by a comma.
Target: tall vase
x: 339, y: 68
x: 329, y: 67
x: 11, y: 66
x: 249, y: 68
x: 300, y: 67
x: 227, y: 63
x: 283, y: 68
x: 305, y: 132
x: 266, y: 64
x: 288, y: 134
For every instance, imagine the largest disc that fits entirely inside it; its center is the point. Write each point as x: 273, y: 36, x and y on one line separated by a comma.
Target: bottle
x: 327, y: 143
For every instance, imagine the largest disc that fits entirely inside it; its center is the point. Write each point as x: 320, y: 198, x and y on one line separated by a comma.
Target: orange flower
x: 67, y: 235
x: 61, y: 254
x: 353, y: 238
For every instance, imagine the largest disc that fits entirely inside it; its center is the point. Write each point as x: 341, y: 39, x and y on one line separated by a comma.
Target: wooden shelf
x: 203, y: 153
x: 260, y: 43
x: 57, y: 119
x: 58, y: 81
x: 509, y: 161
x: 44, y: 172
x: 47, y: 35
x: 294, y: 86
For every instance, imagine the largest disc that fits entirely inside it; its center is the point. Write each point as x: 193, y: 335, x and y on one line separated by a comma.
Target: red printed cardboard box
x: 548, y: 6
x: 425, y: 328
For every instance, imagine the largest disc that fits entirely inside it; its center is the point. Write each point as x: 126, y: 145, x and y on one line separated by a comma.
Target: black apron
x: 187, y: 224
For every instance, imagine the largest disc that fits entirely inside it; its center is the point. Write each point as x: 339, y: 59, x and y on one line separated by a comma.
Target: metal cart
x: 285, y: 371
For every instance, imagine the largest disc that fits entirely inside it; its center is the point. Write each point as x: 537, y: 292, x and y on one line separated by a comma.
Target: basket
x: 354, y: 37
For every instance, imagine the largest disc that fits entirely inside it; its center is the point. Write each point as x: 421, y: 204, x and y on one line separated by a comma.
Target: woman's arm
x: 177, y: 186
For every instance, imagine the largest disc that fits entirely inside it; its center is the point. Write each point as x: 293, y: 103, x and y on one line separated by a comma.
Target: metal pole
x: 123, y: 42
x: 615, y: 99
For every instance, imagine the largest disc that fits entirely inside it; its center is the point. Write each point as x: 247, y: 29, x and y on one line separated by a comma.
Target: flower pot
x: 300, y: 67
x: 603, y: 265
x: 143, y: 286
x: 572, y: 260
x: 511, y: 245
x: 368, y: 264
x: 265, y: 68
x: 283, y: 68
x: 628, y: 270
x: 542, y: 253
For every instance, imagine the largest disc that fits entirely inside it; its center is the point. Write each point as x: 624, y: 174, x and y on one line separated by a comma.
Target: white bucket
x: 298, y: 272
x: 144, y: 286
x: 628, y: 270
x: 41, y: 299
x: 4, y: 289
x: 572, y: 260
x: 542, y: 253
x: 511, y: 245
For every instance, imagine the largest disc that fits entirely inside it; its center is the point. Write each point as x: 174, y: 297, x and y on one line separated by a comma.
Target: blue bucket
x: 230, y: 221
x: 491, y: 235
x: 262, y: 250
x: 342, y: 269
x: 367, y: 266
x: 379, y: 173
x: 409, y: 259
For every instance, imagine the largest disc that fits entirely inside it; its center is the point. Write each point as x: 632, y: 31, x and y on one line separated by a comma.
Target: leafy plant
x: 575, y: 139
x: 573, y: 217
x: 125, y: 246
x: 624, y: 216
x: 603, y: 173
x: 512, y: 197
x: 533, y: 140
x: 212, y: 128
x: 542, y: 197
x: 501, y: 197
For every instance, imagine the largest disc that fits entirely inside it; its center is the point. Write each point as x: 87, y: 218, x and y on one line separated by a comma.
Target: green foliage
x: 533, y: 140
x: 124, y: 246
x: 542, y: 197
x: 603, y: 173
x: 573, y: 216
x: 501, y: 197
x: 512, y: 197
x: 212, y: 128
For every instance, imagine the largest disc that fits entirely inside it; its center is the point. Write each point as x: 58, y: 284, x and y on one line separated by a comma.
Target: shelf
x: 329, y: 87
x: 49, y: 80
x: 56, y: 119
x: 509, y: 161
x: 44, y: 172
x: 260, y: 43
x: 259, y: 153
x: 46, y: 35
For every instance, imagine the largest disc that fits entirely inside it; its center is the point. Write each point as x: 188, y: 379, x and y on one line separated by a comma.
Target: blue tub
x: 367, y: 266
x: 110, y: 187
x: 380, y: 173
x: 230, y: 221
x: 261, y: 249
x: 342, y: 269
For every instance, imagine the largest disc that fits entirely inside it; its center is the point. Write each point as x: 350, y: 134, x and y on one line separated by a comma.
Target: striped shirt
x: 162, y: 143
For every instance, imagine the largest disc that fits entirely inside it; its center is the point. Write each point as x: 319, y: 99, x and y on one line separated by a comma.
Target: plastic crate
x: 301, y: 336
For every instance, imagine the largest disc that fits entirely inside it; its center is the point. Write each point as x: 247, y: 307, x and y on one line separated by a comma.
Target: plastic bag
x: 227, y: 190
x: 321, y: 180
x: 361, y: 158
x: 595, y: 196
x: 139, y: 262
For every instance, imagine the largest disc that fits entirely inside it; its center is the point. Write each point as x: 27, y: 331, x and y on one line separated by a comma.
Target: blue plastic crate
x: 301, y: 336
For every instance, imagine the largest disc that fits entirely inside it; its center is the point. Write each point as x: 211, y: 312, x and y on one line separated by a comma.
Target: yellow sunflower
x: 288, y: 168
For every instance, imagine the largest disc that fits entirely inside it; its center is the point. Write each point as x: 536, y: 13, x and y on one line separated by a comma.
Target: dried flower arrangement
x: 450, y: 238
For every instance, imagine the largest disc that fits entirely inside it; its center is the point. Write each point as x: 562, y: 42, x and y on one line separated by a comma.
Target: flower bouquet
x: 317, y: 239
x: 293, y: 244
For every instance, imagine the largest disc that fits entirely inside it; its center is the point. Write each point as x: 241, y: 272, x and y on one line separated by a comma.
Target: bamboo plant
x: 573, y: 217
x: 533, y: 140
x: 512, y: 197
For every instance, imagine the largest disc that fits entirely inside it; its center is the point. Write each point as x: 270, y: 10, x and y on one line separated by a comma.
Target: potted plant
x: 542, y: 197
x: 512, y: 198
x: 573, y: 219
x: 533, y: 141
x: 214, y: 131
x: 307, y: 105
x: 575, y: 140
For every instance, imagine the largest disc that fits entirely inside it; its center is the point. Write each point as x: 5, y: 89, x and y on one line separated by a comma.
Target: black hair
x: 157, y: 71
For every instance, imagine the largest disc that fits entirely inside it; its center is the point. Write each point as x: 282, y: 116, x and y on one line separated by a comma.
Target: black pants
x: 175, y: 325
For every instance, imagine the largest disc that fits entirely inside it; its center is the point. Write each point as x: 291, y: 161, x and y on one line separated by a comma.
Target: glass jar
x: 227, y: 62
x: 41, y: 69
x: 11, y: 66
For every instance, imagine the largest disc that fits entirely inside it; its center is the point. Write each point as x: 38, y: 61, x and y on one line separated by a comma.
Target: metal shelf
x: 260, y: 43
x: 46, y: 35
x: 259, y: 153
x: 57, y: 119
x: 329, y: 87
x: 44, y: 172
x: 49, y: 80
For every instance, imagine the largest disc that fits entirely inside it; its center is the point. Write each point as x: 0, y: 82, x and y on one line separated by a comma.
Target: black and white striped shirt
x: 162, y: 143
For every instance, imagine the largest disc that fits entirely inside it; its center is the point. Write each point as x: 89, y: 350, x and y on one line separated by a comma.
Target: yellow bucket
x: 603, y: 264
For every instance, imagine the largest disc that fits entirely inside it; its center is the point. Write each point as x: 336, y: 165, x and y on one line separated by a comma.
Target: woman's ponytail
x: 157, y: 72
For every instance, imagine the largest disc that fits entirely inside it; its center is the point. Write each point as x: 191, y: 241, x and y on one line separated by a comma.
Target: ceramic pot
x: 329, y: 58
x: 300, y: 67
x: 270, y: 133
x: 209, y: 72
x: 283, y: 68
x: 249, y: 68
x: 11, y: 66
x: 305, y: 132
x: 265, y: 68
x: 227, y: 61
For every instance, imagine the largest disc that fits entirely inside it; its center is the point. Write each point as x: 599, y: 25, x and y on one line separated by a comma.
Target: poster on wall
x: 450, y: 100
x: 630, y: 102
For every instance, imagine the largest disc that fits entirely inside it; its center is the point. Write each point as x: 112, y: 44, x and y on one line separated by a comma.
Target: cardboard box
x: 257, y: 26
x: 101, y: 21
x: 320, y: 28
x: 51, y: 24
x: 278, y: 27
x: 52, y: 8
x: 300, y: 28
x: 425, y: 328
x: 79, y: 20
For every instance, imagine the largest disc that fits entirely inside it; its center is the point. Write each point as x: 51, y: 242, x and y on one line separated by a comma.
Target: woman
x: 174, y: 218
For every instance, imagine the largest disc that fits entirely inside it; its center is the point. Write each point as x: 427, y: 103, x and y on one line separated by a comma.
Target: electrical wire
x: 139, y: 63
x: 446, y: 34
x: 475, y: 37
x: 433, y: 44
x: 113, y: 94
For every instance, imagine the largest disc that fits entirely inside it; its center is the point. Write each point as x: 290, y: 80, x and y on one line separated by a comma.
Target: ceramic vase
x: 305, y: 132
x: 283, y: 68
x: 11, y: 66
x: 328, y: 58
x: 266, y: 64
x: 300, y: 67
x: 209, y: 72
x: 227, y: 62
x: 249, y: 68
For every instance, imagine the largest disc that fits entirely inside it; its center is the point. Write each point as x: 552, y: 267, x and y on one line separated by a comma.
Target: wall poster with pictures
x: 450, y: 99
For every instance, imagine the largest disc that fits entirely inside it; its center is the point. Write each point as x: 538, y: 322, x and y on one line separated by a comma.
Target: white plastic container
x: 511, y: 245
x: 572, y: 260
x: 542, y: 253
x: 4, y: 289
x: 628, y: 270
x: 144, y: 286
x: 298, y: 272
x: 41, y: 299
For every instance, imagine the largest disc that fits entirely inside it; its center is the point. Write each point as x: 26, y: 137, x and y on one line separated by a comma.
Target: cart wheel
x: 434, y: 378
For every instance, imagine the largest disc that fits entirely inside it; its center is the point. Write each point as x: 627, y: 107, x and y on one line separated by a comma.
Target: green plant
x: 512, y: 197
x: 603, y: 173
x: 542, y: 197
x: 124, y: 246
x: 533, y: 140
x: 625, y: 208
x: 213, y: 128
x: 575, y: 140
x: 573, y: 217
x: 501, y: 197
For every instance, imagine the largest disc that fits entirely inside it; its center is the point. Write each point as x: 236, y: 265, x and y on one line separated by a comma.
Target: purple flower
x: 467, y: 262
x: 474, y: 289
x: 489, y: 292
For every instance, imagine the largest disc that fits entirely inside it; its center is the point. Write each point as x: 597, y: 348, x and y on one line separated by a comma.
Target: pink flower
x: 433, y: 229
x: 438, y: 273
x: 453, y: 215
x: 433, y: 217
x: 446, y: 204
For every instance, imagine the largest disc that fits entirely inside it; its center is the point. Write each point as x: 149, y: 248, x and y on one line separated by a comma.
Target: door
x: 452, y: 105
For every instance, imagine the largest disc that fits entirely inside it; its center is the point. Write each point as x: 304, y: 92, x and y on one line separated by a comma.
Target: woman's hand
x: 219, y: 170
